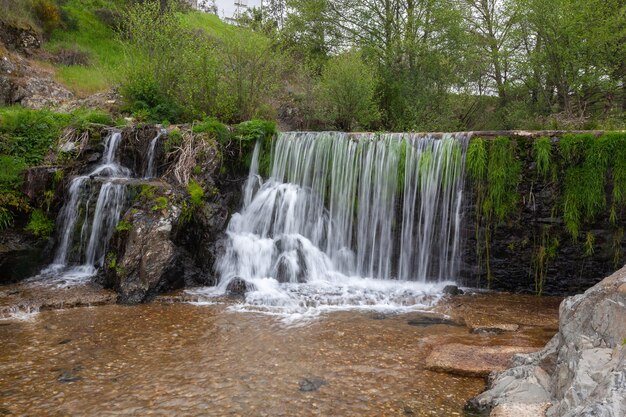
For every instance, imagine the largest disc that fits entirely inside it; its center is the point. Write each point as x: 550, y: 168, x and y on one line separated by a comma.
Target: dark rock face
x: 580, y: 372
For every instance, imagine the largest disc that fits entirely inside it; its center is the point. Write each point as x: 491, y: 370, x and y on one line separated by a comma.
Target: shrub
x: 40, y: 225
x: 10, y: 172
x: 71, y: 56
x: 48, y: 14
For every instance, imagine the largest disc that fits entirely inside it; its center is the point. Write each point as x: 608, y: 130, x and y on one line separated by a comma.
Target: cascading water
x: 349, y: 220
x: 150, y: 170
x: 88, y: 218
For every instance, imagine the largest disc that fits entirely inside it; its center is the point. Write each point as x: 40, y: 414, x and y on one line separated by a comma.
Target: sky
x: 226, y: 8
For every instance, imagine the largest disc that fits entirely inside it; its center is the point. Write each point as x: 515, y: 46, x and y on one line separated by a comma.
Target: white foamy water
x: 347, y: 221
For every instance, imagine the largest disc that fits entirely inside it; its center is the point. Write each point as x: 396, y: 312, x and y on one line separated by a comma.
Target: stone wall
x: 515, y: 243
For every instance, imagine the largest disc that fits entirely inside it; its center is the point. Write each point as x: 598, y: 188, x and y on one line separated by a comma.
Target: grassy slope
x: 106, y: 51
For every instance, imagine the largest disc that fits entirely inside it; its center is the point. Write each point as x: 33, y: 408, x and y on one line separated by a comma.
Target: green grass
x: 209, y: 23
x: 40, y: 224
x: 105, y: 49
x: 95, y: 38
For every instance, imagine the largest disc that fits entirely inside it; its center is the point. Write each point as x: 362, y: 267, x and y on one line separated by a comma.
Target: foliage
x: 196, y: 193
x: 6, y: 218
x: 503, y: 176
x: 10, y: 173
x: 40, y: 225
x: 48, y: 14
x: 160, y: 203
x: 346, y: 93
x: 123, y: 226
x: 212, y: 126
x: 178, y: 73
x: 542, y: 152
x: 255, y: 129
x: 476, y: 159
x: 587, y: 161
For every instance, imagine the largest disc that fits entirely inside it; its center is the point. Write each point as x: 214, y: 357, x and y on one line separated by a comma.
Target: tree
x: 346, y: 92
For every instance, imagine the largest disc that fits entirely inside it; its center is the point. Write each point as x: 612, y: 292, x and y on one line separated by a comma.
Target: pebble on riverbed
x: 311, y: 384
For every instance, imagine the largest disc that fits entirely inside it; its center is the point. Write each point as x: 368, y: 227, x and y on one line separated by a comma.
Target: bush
x: 71, y: 56
x: 48, y: 14
x: 40, y: 225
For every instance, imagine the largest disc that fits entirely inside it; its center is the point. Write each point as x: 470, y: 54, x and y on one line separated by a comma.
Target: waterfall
x: 337, y: 206
x: 150, y: 171
x: 79, y: 254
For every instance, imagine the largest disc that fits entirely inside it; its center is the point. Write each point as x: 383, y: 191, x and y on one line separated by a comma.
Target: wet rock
x: 470, y: 360
x: 497, y: 328
x: 582, y: 370
x: 69, y: 376
x: 239, y: 287
x: 452, y: 290
x: 311, y: 384
x: 430, y: 320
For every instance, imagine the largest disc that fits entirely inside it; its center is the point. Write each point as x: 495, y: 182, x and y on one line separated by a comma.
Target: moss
x: 588, y: 245
x: 174, y: 139
x: 212, y: 126
x: 196, y: 193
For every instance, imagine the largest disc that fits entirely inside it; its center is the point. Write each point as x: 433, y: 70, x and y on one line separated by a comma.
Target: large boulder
x: 580, y: 372
x: 140, y: 263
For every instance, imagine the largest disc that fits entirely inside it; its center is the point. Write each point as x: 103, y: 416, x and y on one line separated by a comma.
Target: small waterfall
x: 105, y: 185
x: 150, y: 171
x: 358, y: 208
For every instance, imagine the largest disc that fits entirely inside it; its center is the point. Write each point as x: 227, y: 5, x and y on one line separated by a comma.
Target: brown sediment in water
x: 182, y: 359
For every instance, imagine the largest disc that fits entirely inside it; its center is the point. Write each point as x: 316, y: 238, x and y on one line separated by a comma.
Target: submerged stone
x: 311, y: 384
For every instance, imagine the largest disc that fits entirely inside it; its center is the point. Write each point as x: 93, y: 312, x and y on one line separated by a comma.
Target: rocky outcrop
x: 30, y: 85
x: 142, y: 258
x: 580, y: 372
